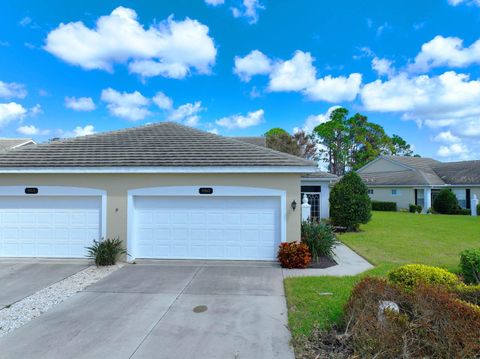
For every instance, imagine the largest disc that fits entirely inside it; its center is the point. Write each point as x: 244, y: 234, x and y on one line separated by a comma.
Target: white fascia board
x: 319, y: 179
x: 219, y: 169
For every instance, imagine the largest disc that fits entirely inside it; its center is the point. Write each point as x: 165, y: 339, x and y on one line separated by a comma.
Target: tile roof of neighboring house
x: 422, y: 171
x: 12, y: 143
x: 254, y: 140
x: 462, y: 172
x: 164, y: 144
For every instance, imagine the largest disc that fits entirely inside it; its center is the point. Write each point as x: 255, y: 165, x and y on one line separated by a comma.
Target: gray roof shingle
x: 426, y: 172
x: 164, y: 144
x: 254, y: 140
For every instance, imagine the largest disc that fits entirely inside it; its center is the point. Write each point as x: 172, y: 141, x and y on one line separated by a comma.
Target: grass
x: 389, y: 240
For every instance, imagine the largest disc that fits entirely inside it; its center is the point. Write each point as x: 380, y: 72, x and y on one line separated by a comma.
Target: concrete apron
x: 165, y: 311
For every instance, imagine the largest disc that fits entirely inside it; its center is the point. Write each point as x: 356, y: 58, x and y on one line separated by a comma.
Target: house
x: 417, y: 180
x: 7, y: 144
x: 168, y: 191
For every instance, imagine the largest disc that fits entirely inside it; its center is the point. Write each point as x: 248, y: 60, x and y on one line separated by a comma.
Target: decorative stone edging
x: 21, y: 312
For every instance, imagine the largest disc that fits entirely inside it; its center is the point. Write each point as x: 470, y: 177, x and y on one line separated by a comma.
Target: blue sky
x: 241, y: 67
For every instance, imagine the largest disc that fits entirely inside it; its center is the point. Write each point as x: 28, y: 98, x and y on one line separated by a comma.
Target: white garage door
x: 48, y: 226
x: 241, y: 228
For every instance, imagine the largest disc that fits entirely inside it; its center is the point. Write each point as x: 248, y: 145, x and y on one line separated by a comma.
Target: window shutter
x: 416, y: 197
x: 467, y: 194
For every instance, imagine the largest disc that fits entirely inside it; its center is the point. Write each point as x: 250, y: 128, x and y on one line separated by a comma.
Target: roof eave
x: 166, y: 170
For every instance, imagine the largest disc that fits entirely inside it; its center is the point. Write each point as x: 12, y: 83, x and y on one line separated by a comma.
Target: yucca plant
x: 105, y: 252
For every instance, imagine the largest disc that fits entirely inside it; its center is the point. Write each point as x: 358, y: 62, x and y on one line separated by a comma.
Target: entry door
x: 230, y: 228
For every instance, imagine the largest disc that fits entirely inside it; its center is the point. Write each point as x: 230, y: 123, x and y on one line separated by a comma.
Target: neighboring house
x: 417, y: 180
x: 167, y: 190
x: 13, y: 143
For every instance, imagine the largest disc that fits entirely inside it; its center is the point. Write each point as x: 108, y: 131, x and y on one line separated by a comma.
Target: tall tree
x: 300, y: 144
x: 334, y: 138
x: 350, y: 143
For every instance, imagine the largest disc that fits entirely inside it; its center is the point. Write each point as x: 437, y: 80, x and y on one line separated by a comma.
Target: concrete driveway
x: 21, y: 278
x: 165, y: 310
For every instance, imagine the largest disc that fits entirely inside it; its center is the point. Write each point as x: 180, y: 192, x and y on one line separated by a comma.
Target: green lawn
x: 390, y: 239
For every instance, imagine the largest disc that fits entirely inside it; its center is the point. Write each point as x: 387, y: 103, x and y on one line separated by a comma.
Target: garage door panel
x: 48, y: 226
x: 206, y: 228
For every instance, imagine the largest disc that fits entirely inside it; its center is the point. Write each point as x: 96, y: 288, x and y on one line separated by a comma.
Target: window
x: 313, y: 195
x: 461, y: 196
x: 370, y: 191
x: 420, y: 199
x: 396, y: 192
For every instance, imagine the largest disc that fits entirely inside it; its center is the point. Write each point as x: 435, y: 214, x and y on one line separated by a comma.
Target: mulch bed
x: 324, y: 345
x: 323, y: 262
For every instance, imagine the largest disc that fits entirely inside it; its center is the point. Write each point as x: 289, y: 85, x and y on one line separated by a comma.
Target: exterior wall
x: 117, y: 186
x: 384, y: 194
x: 383, y: 165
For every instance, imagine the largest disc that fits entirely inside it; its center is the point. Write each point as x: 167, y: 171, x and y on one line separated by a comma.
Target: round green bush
x: 350, y: 204
x: 411, y: 275
x: 446, y: 202
x: 470, y: 265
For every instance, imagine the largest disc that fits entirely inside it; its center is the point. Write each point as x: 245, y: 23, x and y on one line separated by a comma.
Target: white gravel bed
x: 38, y: 303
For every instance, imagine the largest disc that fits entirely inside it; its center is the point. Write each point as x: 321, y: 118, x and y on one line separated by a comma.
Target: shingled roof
x: 422, y: 171
x: 164, y: 144
x: 12, y: 143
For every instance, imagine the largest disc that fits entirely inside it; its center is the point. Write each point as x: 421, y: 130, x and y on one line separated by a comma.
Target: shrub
x: 470, y: 265
x: 446, y: 202
x: 468, y: 293
x: 419, y: 208
x: 414, y: 208
x: 478, y: 209
x: 349, y: 202
x: 319, y: 238
x: 411, y: 275
x: 294, y: 255
x: 384, y: 206
x: 464, y: 212
x: 105, y: 252
x: 432, y: 322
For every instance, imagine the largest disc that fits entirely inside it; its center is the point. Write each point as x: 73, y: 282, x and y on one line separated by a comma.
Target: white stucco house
x: 417, y: 180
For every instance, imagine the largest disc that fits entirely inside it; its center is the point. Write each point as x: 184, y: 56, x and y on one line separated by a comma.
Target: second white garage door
x: 238, y: 228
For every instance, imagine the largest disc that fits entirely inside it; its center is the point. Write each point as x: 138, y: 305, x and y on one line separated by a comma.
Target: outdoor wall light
x: 294, y: 205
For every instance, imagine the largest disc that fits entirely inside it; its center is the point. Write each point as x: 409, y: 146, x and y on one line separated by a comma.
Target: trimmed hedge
x: 411, y: 275
x: 384, y: 206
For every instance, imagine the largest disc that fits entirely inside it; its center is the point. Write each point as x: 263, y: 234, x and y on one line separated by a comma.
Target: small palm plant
x: 105, y: 252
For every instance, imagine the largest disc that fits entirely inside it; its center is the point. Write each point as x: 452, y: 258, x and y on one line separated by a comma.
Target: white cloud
x: 255, y: 63
x: 214, y: 2
x: 295, y: 74
x: 383, y: 66
x: 35, y: 110
x: 445, y: 51
x: 83, y: 131
x: 313, y: 121
x: 240, y: 121
x: 335, y: 89
x: 25, y: 21
x: 163, y: 101
x: 454, y: 150
x: 249, y: 10
x: 80, y: 103
x: 12, y: 90
x: 187, y: 112
x: 131, y: 106
x: 31, y: 130
x: 468, y: 2
x: 10, y: 112
x: 170, y: 48
x: 447, y: 137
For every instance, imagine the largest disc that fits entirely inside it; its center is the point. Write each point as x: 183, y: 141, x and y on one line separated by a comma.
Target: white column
x: 305, y: 208
x: 427, y: 200
x: 474, y: 204
x: 324, y: 200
